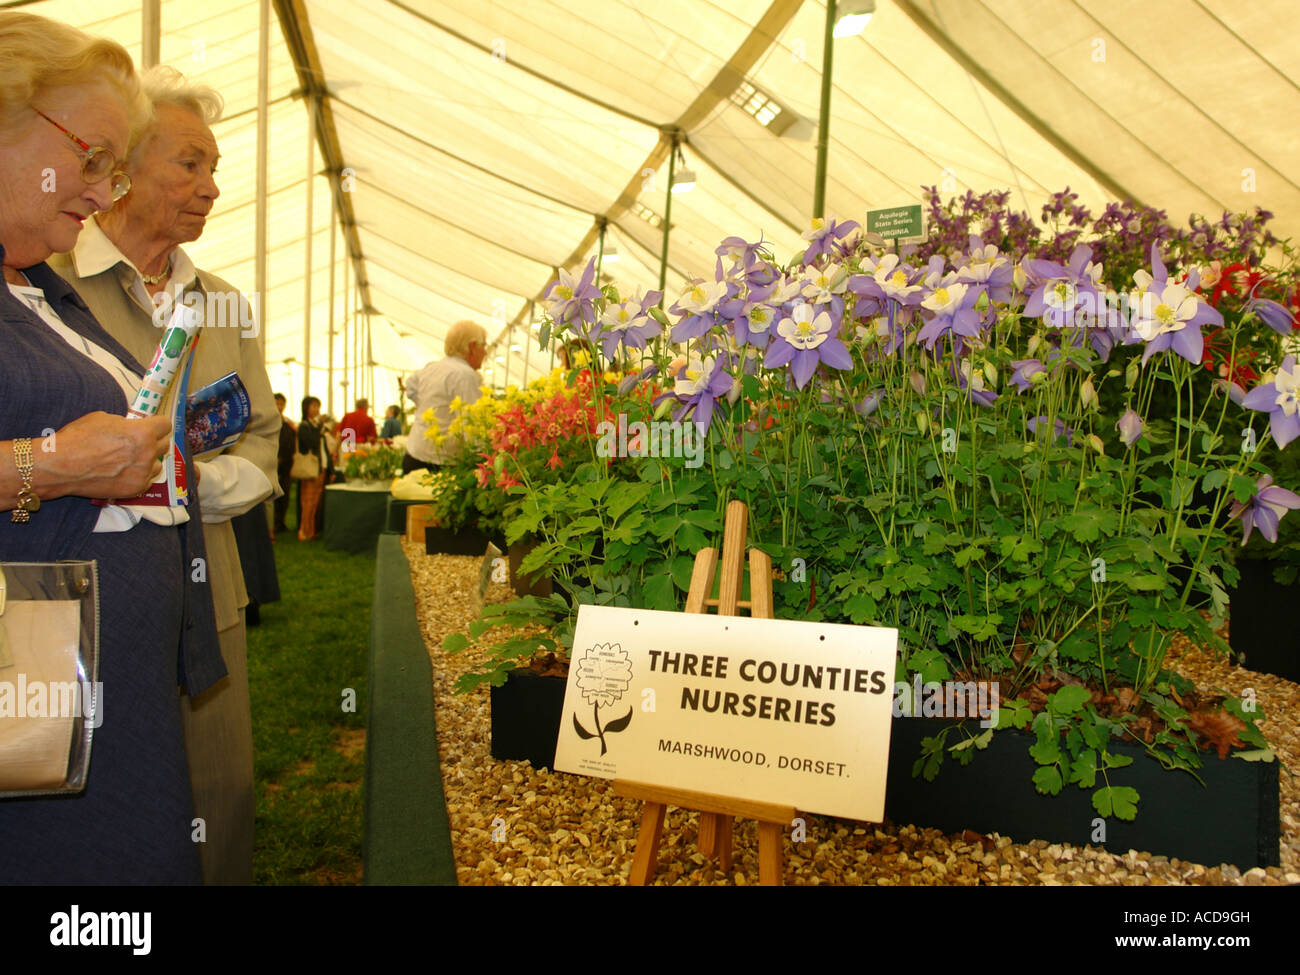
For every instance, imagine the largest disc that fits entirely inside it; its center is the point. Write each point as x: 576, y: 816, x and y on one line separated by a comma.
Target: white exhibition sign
x: 777, y: 711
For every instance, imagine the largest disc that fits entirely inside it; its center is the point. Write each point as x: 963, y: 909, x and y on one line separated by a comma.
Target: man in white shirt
x: 435, y: 386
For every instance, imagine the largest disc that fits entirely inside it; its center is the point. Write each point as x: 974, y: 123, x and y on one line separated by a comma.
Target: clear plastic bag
x: 50, y: 697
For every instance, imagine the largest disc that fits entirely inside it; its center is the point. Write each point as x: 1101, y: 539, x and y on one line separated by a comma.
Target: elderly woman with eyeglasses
x: 68, y: 104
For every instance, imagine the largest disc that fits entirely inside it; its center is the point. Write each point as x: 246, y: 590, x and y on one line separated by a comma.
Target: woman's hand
x: 98, y: 455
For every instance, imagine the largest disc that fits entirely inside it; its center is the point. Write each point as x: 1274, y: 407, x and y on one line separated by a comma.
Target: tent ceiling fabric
x: 485, y: 140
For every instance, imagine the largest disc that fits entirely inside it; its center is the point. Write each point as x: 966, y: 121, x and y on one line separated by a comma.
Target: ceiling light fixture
x: 853, y: 18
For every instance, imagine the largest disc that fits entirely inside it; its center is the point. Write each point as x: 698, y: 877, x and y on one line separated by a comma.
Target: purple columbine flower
x: 1170, y: 316
x: 697, y: 307
x: 1130, y: 427
x: 699, y: 385
x: 1061, y: 430
x: 824, y: 233
x: 805, y: 340
x: 571, y: 302
x: 972, y: 380
x: 1024, y: 372
x: 630, y: 383
x: 1058, y: 289
x: 750, y: 317
x: 1265, y: 509
x: 1275, y: 316
x: 953, y: 308
x: 1278, y: 398
x: 629, y: 323
x: 989, y: 269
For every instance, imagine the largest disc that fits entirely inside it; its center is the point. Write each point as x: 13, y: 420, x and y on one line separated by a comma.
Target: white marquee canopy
x: 465, y: 149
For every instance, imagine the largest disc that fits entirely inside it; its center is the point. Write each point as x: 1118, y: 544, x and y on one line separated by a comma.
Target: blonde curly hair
x: 38, y: 55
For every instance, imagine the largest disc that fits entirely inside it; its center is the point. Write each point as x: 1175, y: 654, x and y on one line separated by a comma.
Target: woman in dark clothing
x: 62, y: 372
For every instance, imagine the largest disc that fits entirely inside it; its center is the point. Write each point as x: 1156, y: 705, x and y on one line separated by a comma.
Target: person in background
x: 392, y: 423
x: 68, y: 106
x: 311, y: 440
x: 130, y: 269
x: 284, y: 463
x: 435, y: 386
x: 356, y: 428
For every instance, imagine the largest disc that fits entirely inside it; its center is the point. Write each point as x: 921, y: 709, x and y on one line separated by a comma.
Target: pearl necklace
x: 158, y: 278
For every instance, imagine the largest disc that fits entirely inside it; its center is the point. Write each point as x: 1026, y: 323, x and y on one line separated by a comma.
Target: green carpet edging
x: 407, y: 834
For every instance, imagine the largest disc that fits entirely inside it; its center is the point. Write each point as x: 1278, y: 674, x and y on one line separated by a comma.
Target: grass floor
x: 308, y: 653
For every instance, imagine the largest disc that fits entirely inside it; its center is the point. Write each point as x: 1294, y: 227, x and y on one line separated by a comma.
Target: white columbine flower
x: 946, y: 299
x: 803, y: 330
x: 1168, y: 311
x: 760, y: 318
x: 700, y: 297
x: 1288, y: 386
x: 821, y: 284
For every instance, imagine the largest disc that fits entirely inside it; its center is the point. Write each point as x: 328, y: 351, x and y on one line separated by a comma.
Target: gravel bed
x: 513, y: 824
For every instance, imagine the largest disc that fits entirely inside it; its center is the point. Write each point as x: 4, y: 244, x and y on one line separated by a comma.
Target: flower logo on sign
x: 604, y: 673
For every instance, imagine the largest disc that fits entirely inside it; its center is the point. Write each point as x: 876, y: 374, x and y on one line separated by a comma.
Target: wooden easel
x: 717, y: 812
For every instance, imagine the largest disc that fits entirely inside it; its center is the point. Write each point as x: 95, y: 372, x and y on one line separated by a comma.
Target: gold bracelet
x: 27, y: 500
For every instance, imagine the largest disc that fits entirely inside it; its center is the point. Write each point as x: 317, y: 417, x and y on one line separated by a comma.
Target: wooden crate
x: 419, y: 519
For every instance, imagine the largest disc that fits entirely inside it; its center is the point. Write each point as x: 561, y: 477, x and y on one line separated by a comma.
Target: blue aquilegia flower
x: 824, y: 232
x: 696, y: 306
x: 630, y: 382
x: 1278, y: 398
x: 1169, y: 316
x: 1059, y: 291
x: 629, y: 323
x: 1276, y: 316
x: 1059, y: 428
x: 972, y: 380
x: 1130, y: 427
x: 700, y: 383
x: 750, y: 317
x: 1024, y: 372
x: 988, y: 268
x: 1265, y: 509
x: 571, y: 302
x: 952, y: 309
x: 804, y: 341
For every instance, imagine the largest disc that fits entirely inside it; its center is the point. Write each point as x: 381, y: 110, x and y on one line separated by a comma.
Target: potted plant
x: 375, y: 464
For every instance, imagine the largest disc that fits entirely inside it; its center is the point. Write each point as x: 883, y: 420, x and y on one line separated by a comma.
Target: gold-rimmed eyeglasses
x: 98, y: 162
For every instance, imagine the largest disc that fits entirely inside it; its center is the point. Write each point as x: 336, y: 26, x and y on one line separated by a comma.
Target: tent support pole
x: 263, y: 89
x: 528, y: 338
x: 151, y: 28
x: 824, y: 120
x: 346, y: 381
x: 668, y: 211
x: 311, y: 178
x: 329, y: 375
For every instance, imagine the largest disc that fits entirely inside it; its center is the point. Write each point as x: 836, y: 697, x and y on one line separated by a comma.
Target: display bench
x: 355, y: 514
x: 407, y: 834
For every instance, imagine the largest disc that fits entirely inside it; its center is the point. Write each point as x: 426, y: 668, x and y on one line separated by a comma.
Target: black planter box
x: 1232, y: 819
x: 526, y: 714
x: 538, y: 584
x: 444, y: 541
x: 1261, y: 622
